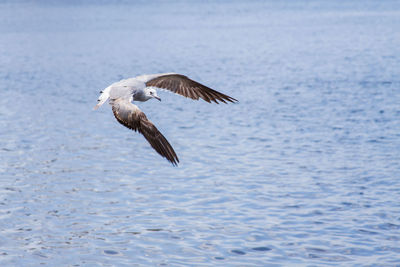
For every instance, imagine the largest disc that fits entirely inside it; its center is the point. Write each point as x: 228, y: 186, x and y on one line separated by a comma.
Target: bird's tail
x: 104, y: 95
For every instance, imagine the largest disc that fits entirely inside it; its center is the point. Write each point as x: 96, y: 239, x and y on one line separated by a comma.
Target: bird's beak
x: 156, y: 97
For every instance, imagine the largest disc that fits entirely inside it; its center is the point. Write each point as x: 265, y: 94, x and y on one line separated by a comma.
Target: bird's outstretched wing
x: 184, y: 86
x: 132, y: 117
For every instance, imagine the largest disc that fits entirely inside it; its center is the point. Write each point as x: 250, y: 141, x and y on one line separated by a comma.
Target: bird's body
x: 143, y: 88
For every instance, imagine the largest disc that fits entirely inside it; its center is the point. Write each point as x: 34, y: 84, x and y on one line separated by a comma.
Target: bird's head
x: 151, y: 93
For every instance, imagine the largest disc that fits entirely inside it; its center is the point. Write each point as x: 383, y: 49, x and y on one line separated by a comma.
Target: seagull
x: 142, y: 88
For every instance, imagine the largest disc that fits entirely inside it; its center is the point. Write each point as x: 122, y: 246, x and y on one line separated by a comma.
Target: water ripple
x: 303, y: 171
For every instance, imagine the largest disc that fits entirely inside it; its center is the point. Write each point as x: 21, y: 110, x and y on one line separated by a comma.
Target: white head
x: 151, y: 93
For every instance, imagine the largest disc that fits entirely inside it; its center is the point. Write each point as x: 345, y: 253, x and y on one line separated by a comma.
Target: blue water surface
x: 303, y: 171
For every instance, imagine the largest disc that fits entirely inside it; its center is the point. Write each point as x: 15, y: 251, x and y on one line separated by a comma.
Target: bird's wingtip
x: 175, y: 162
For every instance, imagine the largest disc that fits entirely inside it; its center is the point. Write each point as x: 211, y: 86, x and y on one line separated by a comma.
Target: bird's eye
x: 151, y: 93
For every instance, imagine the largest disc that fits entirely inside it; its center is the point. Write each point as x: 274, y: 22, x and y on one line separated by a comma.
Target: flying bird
x: 143, y: 88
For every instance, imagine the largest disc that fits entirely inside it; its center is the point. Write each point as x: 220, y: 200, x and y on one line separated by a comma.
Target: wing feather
x: 186, y: 87
x: 133, y: 118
